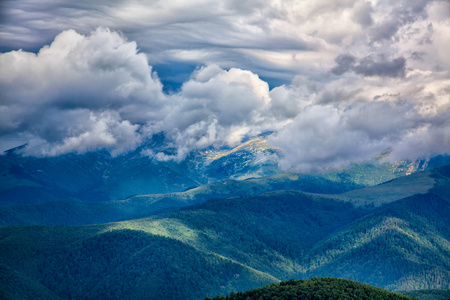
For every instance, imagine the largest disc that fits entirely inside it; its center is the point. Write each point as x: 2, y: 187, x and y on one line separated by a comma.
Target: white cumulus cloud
x: 72, y: 92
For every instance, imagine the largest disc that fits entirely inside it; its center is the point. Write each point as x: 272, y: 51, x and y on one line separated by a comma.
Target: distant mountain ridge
x: 80, y: 213
x: 98, y: 176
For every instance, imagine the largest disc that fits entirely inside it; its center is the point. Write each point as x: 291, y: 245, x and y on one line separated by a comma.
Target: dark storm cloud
x: 345, y: 63
x: 427, y: 37
x: 367, y: 66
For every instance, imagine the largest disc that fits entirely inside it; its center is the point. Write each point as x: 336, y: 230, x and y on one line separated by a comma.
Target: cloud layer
x: 360, y: 77
x: 276, y: 39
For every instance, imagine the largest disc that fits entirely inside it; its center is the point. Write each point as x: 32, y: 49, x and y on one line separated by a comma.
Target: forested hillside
x: 316, y: 288
x: 91, y: 263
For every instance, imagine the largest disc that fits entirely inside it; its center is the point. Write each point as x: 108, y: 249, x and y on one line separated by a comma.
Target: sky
x: 335, y: 81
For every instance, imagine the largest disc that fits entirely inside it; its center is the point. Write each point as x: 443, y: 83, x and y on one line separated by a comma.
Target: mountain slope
x: 15, y: 285
x: 417, y: 183
x: 91, y: 263
x: 397, y: 246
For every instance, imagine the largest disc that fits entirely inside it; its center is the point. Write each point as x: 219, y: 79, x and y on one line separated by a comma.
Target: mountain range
x: 99, y: 176
x: 365, y: 222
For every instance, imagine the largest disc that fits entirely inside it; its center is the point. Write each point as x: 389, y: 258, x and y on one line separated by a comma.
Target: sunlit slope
x: 401, y: 245
x: 94, y: 263
x: 267, y: 232
x: 191, y: 249
x: 252, y: 159
x: 417, y: 183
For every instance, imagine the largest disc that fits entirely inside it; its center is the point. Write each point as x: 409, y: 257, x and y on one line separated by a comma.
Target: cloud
x: 320, y: 137
x: 325, y: 136
x: 275, y: 39
x: 363, y: 13
x: 217, y: 107
x: 345, y: 63
x: 87, y: 92
x: 200, y: 32
x: 80, y: 93
x: 395, y: 16
x: 425, y: 142
x: 366, y: 116
x: 336, y: 80
x: 367, y: 66
x: 102, y: 131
